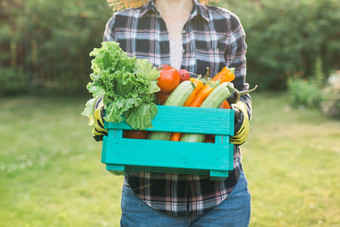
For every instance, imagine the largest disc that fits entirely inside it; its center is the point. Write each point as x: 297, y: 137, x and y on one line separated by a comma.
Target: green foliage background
x: 50, y: 41
x: 286, y: 37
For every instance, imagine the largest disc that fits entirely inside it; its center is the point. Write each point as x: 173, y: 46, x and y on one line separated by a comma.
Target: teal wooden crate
x: 124, y: 155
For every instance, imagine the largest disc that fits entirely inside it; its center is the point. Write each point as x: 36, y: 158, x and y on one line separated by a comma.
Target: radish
x: 184, y: 74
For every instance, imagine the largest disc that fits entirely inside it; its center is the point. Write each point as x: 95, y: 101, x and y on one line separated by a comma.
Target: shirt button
x: 183, y: 31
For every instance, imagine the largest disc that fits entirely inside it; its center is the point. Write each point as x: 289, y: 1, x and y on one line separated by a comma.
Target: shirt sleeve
x: 109, y: 34
x: 237, y: 59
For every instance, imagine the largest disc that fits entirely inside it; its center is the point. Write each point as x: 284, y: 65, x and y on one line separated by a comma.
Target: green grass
x: 51, y: 175
x: 292, y: 162
x: 50, y: 170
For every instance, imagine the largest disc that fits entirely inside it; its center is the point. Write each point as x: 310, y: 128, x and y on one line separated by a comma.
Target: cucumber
x: 176, y: 98
x: 214, y: 100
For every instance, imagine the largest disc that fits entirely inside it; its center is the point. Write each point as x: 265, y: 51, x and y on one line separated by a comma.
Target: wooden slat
x: 188, y: 120
x: 137, y: 152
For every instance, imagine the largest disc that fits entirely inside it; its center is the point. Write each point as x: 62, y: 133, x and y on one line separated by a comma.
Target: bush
x: 307, y: 92
x: 303, y: 92
x: 12, y: 81
x: 331, y: 102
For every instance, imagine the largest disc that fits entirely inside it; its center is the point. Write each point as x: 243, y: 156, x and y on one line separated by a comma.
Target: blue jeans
x: 234, y: 211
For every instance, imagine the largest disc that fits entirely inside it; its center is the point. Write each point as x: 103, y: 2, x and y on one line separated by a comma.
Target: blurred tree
x: 51, y: 40
x: 285, y: 37
x: 48, y: 42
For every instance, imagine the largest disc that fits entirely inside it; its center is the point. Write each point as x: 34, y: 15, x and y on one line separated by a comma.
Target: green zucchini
x: 180, y: 94
x: 214, y: 100
x: 176, y: 98
x: 218, y: 95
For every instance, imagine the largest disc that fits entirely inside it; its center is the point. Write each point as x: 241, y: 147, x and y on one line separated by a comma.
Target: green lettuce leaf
x: 89, y: 110
x: 141, y: 116
x: 127, y: 84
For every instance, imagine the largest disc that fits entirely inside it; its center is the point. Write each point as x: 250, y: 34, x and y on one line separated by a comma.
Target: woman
x: 190, y: 35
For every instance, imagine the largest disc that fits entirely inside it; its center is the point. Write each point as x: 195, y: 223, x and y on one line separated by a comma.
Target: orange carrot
x: 199, y: 85
x: 203, y: 93
x: 176, y: 136
x: 225, y: 75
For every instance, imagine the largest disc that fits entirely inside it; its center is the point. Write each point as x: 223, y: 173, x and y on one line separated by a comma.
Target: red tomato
x: 164, y: 66
x: 168, y: 80
x: 184, y: 74
x: 135, y: 134
x: 209, y: 139
x: 162, y: 97
x: 225, y: 105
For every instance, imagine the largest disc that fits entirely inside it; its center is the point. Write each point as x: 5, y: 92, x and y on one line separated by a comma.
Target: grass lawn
x: 51, y: 175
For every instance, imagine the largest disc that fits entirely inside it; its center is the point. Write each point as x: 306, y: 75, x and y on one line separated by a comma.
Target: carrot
x: 203, y: 93
x: 199, y: 85
x: 225, y: 75
x: 176, y: 136
x: 199, y: 98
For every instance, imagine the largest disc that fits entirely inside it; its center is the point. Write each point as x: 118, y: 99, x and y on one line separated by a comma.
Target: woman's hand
x: 241, y: 127
x: 98, y: 130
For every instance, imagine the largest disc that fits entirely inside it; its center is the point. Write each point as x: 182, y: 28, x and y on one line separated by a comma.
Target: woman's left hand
x: 241, y: 127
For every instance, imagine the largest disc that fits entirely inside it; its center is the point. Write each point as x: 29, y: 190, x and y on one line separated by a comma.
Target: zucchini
x: 214, y: 100
x: 218, y: 95
x: 180, y: 94
x: 176, y: 98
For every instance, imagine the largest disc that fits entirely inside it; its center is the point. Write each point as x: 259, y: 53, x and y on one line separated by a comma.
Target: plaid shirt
x: 212, y: 37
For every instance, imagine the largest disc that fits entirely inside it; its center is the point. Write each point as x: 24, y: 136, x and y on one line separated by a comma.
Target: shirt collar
x: 148, y: 7
x: 198, y: 9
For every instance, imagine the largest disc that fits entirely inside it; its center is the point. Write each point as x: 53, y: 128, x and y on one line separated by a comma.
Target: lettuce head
x: 127, y: 84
